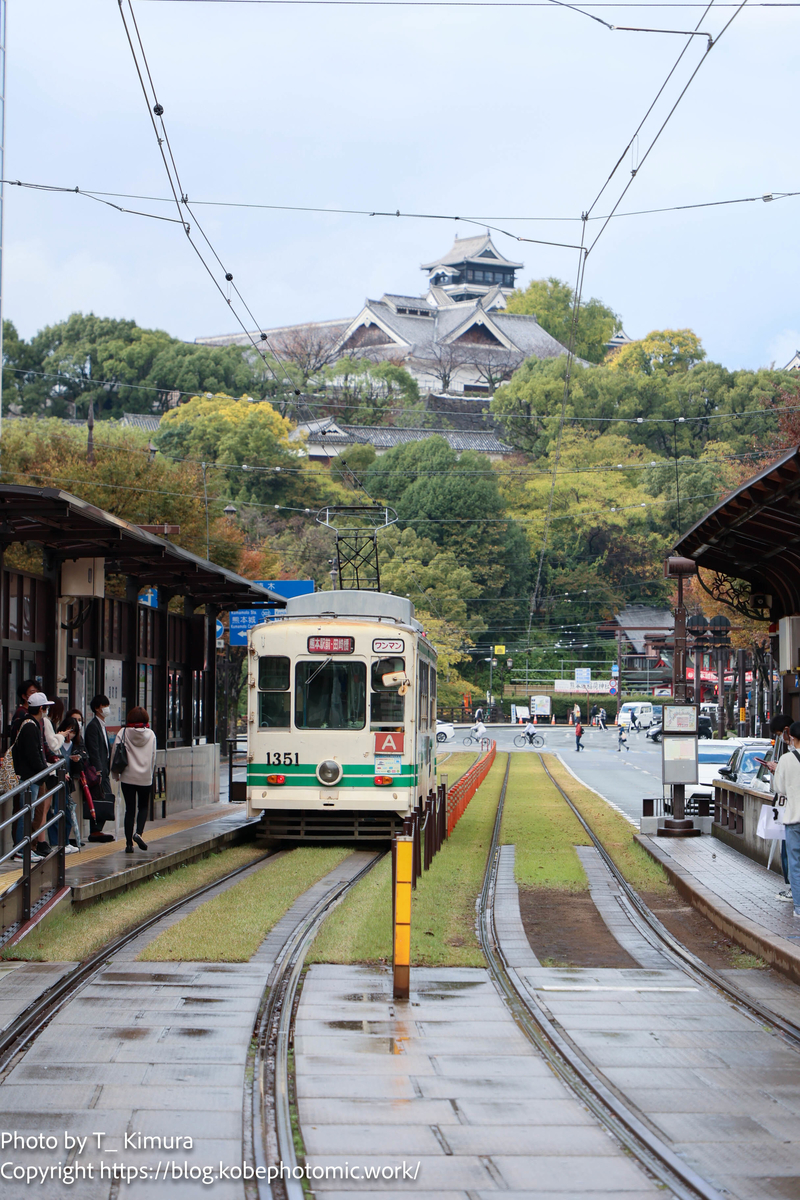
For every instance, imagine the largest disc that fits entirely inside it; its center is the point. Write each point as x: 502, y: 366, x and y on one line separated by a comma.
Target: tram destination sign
x: 331, y: 645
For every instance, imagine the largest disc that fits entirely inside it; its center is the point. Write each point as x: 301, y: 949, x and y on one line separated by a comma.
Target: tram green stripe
x: 301, y: 775
x: 309, y: 768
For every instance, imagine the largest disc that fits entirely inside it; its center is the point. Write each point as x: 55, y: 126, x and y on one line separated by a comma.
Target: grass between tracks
x: 545, y: 832
x: 612, y: 829
x: 231, y: 926
x: 453, y: 765
x: 72, y: 936
x: 443, y: 908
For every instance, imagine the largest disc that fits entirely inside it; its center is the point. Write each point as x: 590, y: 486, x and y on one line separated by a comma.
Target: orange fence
x: 460, y: 794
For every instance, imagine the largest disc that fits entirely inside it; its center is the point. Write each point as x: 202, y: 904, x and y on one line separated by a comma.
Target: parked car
x: 445, y: 732
x: 704, y: 728
x: 712, y: 759
x: 642, y: 710
x: 745, y: 765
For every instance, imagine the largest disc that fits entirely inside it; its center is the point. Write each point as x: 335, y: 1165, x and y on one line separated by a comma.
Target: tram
x: 341, y: 717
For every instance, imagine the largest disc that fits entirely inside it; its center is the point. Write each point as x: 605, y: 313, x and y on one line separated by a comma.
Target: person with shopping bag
x: 133, y: 763
x: 786, y: 785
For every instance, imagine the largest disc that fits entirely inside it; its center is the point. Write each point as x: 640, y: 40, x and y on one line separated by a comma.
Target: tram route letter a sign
x: 389, y: 743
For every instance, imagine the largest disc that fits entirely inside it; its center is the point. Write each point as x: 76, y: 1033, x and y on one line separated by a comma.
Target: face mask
x: 104, y: 712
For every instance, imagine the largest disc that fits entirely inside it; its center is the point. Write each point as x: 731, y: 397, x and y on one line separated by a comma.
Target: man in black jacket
x: 95, y: 739
x: 25, y: 689
x: 29, y: 760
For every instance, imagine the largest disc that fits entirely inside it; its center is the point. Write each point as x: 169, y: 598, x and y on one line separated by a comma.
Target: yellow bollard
x: 402, y: 861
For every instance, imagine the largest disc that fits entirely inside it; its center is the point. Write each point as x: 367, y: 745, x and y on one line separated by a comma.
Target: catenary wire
x: 483, y: 221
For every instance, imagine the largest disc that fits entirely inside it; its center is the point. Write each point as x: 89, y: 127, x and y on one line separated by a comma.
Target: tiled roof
x: 464, y: 248
x: 640, y: 622
x: 384, y: 437
x: 141, y: 421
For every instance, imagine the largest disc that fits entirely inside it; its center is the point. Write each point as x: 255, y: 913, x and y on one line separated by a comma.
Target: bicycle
x: 521, y: 740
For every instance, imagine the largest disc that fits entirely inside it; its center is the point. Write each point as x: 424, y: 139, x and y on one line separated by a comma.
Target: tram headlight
x: 329, y: 772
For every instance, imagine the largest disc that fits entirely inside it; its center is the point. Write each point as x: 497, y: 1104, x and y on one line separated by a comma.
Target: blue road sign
x: 247, y: 618
x: 612, y: 691
x: 149, y: 597
x: 220, y: 631
x: 583, y: 674
x: 614, y: 669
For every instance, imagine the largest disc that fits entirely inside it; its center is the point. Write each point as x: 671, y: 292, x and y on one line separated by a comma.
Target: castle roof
x: 474, y: 249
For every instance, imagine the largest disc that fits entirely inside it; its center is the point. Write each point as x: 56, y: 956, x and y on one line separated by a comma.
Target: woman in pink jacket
x: 137, y: 776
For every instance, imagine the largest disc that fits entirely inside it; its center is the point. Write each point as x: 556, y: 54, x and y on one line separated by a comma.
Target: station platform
x: 737, y: 894
x: 103, y: 868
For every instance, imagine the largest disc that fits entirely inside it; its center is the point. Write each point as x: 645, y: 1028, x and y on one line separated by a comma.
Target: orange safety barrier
x: 465, y: 788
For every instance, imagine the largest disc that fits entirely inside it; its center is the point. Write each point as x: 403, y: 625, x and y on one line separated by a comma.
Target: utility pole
x: 90, y: 434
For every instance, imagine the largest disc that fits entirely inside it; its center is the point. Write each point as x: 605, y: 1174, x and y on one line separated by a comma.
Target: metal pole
x: 679, y: 687
x: 3, y: 30
x: 205, y: 498
x: 741, y: 695
x: 721, y: 655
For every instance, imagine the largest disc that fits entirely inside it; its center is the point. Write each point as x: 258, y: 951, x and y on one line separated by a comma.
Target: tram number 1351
x: 276, y: 759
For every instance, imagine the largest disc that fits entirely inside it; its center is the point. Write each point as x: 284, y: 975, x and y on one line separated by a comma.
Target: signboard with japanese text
x: 247, y: 618
x: 680, y: 718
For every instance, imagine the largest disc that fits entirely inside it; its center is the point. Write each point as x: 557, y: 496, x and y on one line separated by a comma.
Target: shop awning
x: 70, y: 528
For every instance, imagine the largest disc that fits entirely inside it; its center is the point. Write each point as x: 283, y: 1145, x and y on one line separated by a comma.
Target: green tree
x: 667, y: 350
x: 360, y: 392
x: 118, y: 366
x: 246, y: 443
x: 551, y: 302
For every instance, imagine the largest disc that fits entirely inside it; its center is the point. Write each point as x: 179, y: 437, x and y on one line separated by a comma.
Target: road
x: 623, y: 777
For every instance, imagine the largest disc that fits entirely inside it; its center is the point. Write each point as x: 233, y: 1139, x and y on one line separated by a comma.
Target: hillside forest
x: 653, y: 435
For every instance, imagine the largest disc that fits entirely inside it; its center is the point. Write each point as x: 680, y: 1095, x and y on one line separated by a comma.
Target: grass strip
x: 542, y: 828
x: 75, y: 934
x: 231, y: 927
x: 443, y: 933
x: 614, y: 831
x: 453, y: 764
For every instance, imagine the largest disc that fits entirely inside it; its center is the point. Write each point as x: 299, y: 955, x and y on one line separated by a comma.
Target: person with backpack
x: 28, y: 756
x: 133, y: 763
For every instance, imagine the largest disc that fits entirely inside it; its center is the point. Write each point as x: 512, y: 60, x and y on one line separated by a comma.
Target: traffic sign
x: 612, y: 691
x: 246, y: 618
x: 583, y: 674
x: 614, y: 669
x: 220, y: 631
x: 499, y: 649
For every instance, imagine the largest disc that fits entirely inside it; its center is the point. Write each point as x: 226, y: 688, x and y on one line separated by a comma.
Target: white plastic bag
x: 769, y: 825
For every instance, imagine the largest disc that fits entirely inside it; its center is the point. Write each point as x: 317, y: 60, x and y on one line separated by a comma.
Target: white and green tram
x: 341, y: 717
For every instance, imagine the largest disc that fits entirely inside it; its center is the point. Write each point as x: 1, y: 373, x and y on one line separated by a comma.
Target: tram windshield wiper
x: 321, y: 667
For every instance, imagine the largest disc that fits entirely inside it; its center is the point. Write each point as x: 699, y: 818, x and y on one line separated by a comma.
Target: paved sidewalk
x: 738, y: 895
x: 445, y: 1086
x: 605, y: 892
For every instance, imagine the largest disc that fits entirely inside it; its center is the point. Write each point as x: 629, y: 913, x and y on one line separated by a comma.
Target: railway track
x: 608, y: 1104
x: 269, y: 1135
x: 267, y: 1131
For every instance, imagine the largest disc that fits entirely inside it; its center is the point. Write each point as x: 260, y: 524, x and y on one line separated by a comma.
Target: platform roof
x: 71, y: 528
x: 754, y: 535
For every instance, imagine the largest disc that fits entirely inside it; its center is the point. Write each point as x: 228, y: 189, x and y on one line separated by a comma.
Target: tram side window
x: 423, y: 695
x: 330, y: 694
x: 274, y: 697
x: 387, y: 706
x: 432, y: 718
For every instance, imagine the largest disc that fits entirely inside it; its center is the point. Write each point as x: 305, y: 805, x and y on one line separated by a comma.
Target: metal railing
x: 41, y: 875
x: 427, y: 828
x: 465, y: 788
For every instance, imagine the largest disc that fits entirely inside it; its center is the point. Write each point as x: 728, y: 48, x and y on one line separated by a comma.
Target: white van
x: 643, y: 712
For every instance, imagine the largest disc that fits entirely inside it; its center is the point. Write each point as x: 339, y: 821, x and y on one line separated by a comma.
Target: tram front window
x: 387, y: 706
x: 330, y: 694
x: 274, y: 697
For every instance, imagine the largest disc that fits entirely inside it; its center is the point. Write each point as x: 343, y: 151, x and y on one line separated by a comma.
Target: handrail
x: 30, y: 869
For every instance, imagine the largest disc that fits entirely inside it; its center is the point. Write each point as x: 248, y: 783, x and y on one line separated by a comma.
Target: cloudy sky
x: 501, y: 113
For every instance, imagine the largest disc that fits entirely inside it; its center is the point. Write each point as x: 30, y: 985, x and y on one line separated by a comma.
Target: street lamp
x: 698, y: 628
x: 719, y: 628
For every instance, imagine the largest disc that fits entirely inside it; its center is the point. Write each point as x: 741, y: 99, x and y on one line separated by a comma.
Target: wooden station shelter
x: 79, y: 622
x: 753, y: 535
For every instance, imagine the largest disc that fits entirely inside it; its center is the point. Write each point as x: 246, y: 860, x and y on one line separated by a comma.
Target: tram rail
x: 609, y: 1106
x: 655, y: 932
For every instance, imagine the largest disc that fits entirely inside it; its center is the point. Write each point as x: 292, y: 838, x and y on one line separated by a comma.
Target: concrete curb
x: 776, y: 950
x: 110, y: 885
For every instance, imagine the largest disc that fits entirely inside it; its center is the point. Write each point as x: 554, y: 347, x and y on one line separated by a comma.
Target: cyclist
x: 478, y: 730
x: 530, y: 731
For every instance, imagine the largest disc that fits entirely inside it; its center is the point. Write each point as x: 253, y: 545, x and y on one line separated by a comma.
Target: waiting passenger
x: 74, y: 754
x: 97, y: 747
x: 136, y: 777
x: 787, y: 790
x: 29, y: 760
